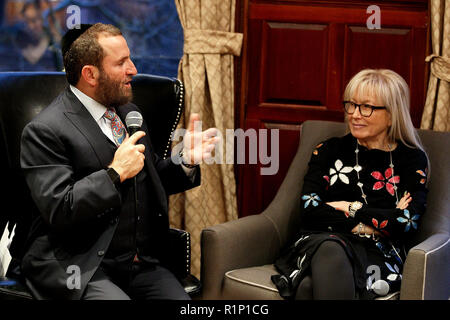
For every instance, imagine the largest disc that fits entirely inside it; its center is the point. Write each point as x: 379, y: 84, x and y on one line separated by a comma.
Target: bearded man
x: 79, y: 164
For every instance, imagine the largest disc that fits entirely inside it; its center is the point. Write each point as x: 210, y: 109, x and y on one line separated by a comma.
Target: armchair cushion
x: 250, y: 284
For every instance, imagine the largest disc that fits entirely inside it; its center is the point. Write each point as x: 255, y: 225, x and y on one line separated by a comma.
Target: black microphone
x: 133, y: 121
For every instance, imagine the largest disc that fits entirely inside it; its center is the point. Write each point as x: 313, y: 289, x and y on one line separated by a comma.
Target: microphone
x: 133, y: 121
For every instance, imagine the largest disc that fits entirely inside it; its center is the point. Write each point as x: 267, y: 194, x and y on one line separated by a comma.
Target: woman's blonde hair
x: 393, y: 92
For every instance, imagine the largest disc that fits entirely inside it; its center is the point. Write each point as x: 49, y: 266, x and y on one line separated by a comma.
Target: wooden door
x: 297, y: 58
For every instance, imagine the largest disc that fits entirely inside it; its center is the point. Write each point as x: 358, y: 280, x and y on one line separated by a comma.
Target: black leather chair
x: 238, y: 256
x: 22, y: 96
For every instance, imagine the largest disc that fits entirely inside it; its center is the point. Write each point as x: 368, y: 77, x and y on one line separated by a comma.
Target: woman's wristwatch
x: 353, y: 207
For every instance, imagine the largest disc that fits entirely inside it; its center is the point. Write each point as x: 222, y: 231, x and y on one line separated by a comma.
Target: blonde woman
x: 363, y: 197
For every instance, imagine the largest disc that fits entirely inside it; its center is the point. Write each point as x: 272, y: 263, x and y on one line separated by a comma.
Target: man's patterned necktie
x: 118, y: 129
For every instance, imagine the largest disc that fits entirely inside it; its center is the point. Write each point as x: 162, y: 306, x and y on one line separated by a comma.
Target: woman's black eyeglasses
x: 364, y: 109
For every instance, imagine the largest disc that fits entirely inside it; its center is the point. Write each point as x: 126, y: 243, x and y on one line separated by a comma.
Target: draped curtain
x: 436, y: 113
x: 206, y: 70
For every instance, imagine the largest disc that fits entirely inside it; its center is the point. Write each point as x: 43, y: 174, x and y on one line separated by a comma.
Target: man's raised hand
x: 197, y: 144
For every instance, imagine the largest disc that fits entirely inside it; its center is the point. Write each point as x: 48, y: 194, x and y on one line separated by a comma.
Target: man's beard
x: 111, y: 93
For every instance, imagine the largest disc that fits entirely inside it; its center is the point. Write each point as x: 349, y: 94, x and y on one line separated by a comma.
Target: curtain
x: 436, y: 113
x: 206, y: 70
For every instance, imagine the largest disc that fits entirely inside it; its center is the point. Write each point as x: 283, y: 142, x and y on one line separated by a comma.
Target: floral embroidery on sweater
x: 387, y: 180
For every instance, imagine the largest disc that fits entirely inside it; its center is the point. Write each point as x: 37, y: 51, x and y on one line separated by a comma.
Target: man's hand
x: 198, y: 145
x: 129, y: 157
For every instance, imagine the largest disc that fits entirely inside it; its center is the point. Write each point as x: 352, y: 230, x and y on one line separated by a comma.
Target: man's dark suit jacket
x: 64, y: 155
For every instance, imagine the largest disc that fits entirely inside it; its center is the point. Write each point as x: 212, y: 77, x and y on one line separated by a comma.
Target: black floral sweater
x: 384, y: 177
x: 332, y: 177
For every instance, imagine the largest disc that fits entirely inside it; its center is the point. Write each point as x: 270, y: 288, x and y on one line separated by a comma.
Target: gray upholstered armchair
x: 238, y: 256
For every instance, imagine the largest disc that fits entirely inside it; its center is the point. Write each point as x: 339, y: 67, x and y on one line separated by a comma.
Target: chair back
x: 285, y: 207
x: 437, y: 216
x: 161, y: 100
x: 24, y: 94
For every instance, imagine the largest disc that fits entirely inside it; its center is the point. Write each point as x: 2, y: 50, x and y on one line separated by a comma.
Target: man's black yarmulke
x: 72, y: 35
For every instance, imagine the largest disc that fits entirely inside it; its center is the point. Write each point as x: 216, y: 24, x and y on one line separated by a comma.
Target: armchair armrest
x: 426, y: 272
x: 248, y: 241
x: 177, y: 257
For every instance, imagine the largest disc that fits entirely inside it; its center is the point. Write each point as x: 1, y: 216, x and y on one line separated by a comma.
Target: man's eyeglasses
x: 364, y: 109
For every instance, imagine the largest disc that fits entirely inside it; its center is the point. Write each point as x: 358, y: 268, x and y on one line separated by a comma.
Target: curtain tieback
x: 440, y: 66
x: 212, y: 41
